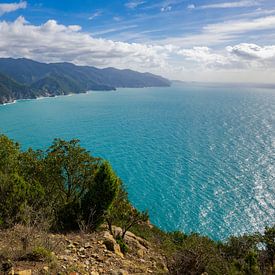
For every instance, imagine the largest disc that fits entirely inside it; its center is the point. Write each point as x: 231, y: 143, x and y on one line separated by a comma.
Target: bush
x: 39, y: 254
x: 123, y: 246
x: 15, y: 195
x: 100, y: 196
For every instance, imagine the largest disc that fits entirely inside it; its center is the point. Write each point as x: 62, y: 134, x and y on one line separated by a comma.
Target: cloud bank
x: 54, y: 42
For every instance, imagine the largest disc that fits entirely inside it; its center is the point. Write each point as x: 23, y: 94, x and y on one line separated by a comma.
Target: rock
x: 119, y: 272
x: 23, y: 272
x: 140, y: 253
x: 111, y: 244
x: 94, y: 273
x: 70, y: 246
x: 162, y: 266
x: 87, y: 245
x: 131, y: 238
x: 66, y: 258
x: 98, y: 258
x: 46, y: 268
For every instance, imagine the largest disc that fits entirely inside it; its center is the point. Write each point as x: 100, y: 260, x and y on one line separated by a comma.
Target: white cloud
x: 225, y: 32
x: 94, y: 15
x: 134, y: 4
x: 241, y: 56
x: 53, y: 42
x: 203, y: 55
x: 253, y: 51
x: 254, y: 55
x: 235, y: 4
x: 241, y: 26
x: 191, y: 6
x: 164, y: 9
x: 10, y: 7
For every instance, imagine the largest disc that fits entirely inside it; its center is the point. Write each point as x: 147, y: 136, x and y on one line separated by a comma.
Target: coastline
x: 14, y: 101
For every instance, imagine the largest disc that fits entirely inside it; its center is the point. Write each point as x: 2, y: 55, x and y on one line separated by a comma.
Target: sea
x: 199, y: 157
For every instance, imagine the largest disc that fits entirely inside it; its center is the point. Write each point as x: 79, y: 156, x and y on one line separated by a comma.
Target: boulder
x: 111, y: 244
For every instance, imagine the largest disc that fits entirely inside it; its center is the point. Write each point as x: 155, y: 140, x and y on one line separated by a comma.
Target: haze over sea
x: 199, y: 158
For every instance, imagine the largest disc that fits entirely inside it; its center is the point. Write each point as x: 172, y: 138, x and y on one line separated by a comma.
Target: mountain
x: 24, y: 78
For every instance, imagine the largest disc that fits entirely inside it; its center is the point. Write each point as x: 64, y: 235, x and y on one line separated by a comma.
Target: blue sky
x: 222, y: 40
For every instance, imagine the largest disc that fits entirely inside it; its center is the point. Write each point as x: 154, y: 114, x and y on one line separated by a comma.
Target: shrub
x: 123, y: 246
x: 100, y: 196
x: 39, y: 254
x: 123, y: 214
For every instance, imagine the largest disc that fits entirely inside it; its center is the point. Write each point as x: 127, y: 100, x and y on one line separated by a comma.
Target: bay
x: 198, y: 157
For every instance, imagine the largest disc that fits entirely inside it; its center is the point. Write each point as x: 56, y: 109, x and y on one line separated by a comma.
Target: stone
x: 81, y: 249
x: 140, y: 253
x: 94, y: 273
x: 46, y: 268
x: 111, y: 244
x: 119, y: 272
x: 162, y: 266
x: 23, y: 272
x: 87, y: 245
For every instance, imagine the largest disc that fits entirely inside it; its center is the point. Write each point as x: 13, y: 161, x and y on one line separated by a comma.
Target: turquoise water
x: 199, y: 158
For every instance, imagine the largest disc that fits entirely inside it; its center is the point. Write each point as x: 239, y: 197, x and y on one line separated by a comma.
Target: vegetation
x: 65, y: 188
x: 24, y: 78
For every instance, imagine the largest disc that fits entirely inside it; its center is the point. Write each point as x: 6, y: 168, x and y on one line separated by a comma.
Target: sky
x: 188, y: 40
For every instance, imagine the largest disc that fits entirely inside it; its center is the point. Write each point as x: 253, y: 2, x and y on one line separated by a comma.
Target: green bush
x: 39, y: 254
x: 123, y: 246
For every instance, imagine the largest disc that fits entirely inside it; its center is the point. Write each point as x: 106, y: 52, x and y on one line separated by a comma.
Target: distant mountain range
x: 25, y: 79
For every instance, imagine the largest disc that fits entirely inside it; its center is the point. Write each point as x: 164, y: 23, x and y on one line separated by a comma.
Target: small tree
x: 71, y: 168
x: 122, y: 213
x: 99, y: 198
x: 9, y: 153
x: 69, y: 173
x: 15, y: 195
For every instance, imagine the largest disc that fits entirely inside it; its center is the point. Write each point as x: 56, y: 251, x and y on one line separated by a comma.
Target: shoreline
x: 40, y: 98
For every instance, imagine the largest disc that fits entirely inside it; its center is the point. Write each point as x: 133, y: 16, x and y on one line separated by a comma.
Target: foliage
x: 64, y: 181
x: 123, y: 246
x: 122, y: 213
x: 99, y: 198
x: 39, y: 254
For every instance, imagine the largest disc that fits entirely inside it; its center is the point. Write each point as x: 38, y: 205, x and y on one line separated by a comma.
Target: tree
x: 16, y: 194
x: 9, y: 153
x: 122, y: 213
x: 99, y: 198
x: 71, y: 168
x: 68, y: 174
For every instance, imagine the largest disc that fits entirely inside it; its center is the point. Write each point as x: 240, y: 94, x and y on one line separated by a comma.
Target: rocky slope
x: 92, y: 254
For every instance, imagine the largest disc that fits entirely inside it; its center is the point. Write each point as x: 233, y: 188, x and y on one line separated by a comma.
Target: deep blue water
x: 199, y: 158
